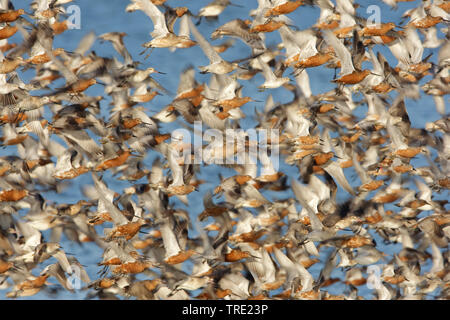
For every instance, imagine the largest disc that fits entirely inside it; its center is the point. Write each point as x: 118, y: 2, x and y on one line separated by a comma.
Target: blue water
x: 103, y: 16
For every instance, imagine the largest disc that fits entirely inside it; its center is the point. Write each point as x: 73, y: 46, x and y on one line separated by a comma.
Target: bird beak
x: 235, y: 5
x: 243, y: 68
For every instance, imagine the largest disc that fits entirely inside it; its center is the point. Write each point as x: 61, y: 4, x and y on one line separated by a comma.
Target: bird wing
x: 337, y: 173
x: 184, y: 31
x: 207, y: 48
x: 397, y: 139
x: 86, y: 42
x: 159, y: 22
x: 114, y: 213
x: 177, y: 170
x: 300, y: 192
x: 341, y: 51
x: 169, y: 239
x: 267, y: 72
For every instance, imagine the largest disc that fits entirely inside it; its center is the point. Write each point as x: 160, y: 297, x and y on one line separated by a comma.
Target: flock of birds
x: 242, y: 245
